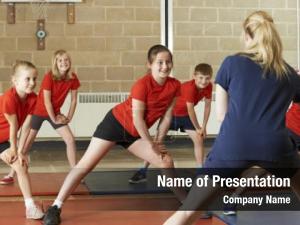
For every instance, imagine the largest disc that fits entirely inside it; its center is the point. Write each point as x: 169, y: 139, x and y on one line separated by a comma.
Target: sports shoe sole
x: 137, y: 181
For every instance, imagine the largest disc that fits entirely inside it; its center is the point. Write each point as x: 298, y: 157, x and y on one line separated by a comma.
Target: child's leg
x: 67, y: 135
x: 22, y: 174
x: 198, y: 146
x: 94, y: 153
x: 29, y: 141
x: 11, y: 173
x: 145, y: 151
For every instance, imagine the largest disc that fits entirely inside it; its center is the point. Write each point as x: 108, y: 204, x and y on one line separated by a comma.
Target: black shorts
x: 110, y: 129
x: 295, y: 138
x: 4, y: 145
x: 181, y: 123
x: 37, y: 121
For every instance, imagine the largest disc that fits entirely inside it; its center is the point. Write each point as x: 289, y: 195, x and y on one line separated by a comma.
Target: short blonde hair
x: 21, y: 64
x: 265, y: 46
x: 54, y: 70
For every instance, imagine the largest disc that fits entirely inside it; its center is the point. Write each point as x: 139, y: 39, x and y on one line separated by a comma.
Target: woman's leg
x: 68, y: 137
x: 295, y: 183
x: 197, y: 199
x: 94, y: 153
x: 198, y: 146
x: 183, y: 218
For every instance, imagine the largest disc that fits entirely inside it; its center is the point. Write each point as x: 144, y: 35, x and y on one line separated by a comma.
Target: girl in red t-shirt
x: 55, y: 87
x: 16, y: 107
x: 151, y: 98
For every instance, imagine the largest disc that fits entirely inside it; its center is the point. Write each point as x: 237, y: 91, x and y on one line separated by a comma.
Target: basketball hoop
x: 39, y: 9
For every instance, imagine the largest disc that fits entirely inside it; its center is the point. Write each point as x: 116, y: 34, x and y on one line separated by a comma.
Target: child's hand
x: 159, y: 147
x: 23, y: 158
x: 201, y: 132
x: 61, y: 119
x: 9, y: 156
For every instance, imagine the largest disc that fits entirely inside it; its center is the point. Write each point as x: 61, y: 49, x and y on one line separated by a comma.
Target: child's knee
x: 19, y: 168
x: 167, y: 161
x: 70, y: 141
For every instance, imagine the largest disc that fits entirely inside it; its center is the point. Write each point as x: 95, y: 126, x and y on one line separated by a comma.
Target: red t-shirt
x: 190, y: 93
x: 59, y: 91
x: 10, y: 103
x: 293, y: 118
x: 157, y: 99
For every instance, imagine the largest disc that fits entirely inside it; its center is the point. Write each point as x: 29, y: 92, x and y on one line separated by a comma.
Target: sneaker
x: 7, y: 180
x: 34, y: 212
x: 229, y: 213
x: 52, y: 216
x: 138, y: 177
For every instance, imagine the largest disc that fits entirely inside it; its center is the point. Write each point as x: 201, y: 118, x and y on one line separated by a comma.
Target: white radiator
x: 92, y: 107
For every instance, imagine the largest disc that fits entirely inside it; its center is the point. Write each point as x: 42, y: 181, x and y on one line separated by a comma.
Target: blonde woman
x: 253, y: 91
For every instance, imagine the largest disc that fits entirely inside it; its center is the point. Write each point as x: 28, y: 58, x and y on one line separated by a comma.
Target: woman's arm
x: 13, y: 132
x: 221, y: 102
x: 73, y: 104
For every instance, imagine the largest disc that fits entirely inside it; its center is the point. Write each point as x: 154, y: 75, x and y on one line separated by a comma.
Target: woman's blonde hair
x: 265, y: 46
x: 55, y: 72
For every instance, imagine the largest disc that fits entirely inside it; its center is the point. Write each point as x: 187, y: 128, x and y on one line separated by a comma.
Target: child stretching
x: 54, y: 89
x: 184, y: 115
x: 152, y: 97
x: 16, y: 107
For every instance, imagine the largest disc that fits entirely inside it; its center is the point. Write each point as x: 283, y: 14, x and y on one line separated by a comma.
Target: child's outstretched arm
x: 13, y: 132
x: 49, y: 108
x: 207, y: 109
x: 73, y: 104
x: 138, y: 110
x: 193, y: 117
x: 22, y: 141
x: 164, y: 123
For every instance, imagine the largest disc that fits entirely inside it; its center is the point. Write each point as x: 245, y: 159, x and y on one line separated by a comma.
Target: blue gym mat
x: 116, y: 182
x: 261, y: 218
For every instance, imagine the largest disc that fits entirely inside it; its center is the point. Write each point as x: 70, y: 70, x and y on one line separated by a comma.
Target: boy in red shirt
x: 16, y: 108
x: 184, y: 115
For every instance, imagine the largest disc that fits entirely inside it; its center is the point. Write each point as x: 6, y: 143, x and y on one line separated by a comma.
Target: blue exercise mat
x: 261, y: 218
x: 116, y: 182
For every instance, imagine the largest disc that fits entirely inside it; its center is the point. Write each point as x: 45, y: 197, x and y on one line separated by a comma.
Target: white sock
x: 58, y: 203
x: 29, y: 202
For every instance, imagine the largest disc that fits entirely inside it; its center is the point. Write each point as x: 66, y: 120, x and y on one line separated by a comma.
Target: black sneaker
x: 52, y: 216
x: 138, y: 177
